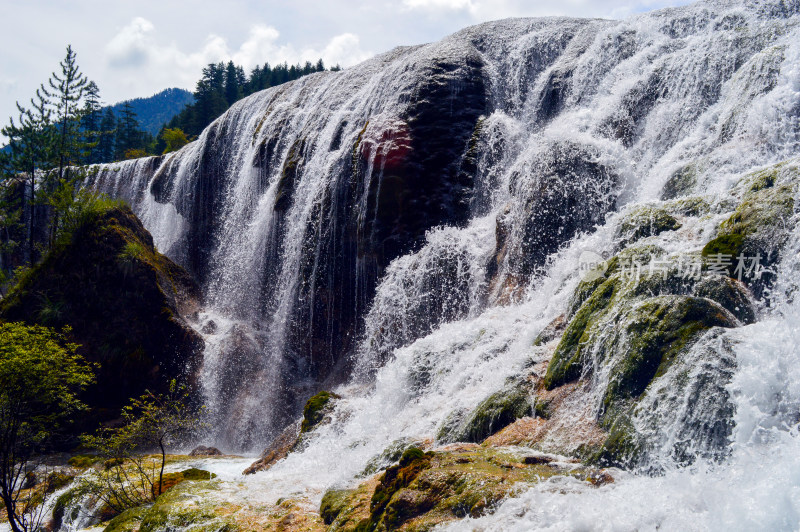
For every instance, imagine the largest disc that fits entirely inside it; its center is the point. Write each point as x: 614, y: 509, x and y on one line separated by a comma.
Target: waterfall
x: 405, y: 228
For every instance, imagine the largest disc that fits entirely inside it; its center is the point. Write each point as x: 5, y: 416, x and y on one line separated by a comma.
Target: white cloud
x: 136, y: 47
x: 262, y: 46
x: 436, y: 5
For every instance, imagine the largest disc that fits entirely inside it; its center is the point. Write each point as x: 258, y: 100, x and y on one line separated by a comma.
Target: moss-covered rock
x: 332, y: 504
x: 652, y: 335
x: 644, y: 222
x: 493, y: 413
x: 688, y: 206
x: 731, y: 294
x: 67, y: 502
x: 124, y: 302
x: 760, y: 225
x: 82, y: 461
x: 428, y: 489
x: 127, y: 521
x: 388, y: 456
x: 317, y: 407
x: 567, y: 362
x: 680, y: 183
x: 182, y: 508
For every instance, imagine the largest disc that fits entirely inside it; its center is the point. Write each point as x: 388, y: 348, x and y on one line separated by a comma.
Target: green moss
x: 127, y: 521
x: 645, y: 222
x: 494, y: 413
x: 622, y: 447
x: 57, y: 480
x: 541, y: 408
x: 435, y: 488
x: 731, y: 294
x: 182, y: 508
x: 655, y: 332
x: 730, y: 245
x: 388, y: 456
x: 567, y: 363
x: 413, y: 462
x: 82, y: 461
x: 315, y: 410
x: 197, y: 474
x: 689, y: 206
x: 758, y: 226
x: 333, y: 502
x: 762, y: 179
x: 67, y: 501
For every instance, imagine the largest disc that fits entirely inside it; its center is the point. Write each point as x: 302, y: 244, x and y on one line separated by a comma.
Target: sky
x: 138, y: 48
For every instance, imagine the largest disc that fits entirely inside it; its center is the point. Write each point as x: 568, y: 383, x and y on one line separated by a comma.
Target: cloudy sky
x: 137, y: 48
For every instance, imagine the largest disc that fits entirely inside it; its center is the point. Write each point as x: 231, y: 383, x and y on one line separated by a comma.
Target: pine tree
x: 128, y: 135
x: 65, y: 92
x: 33, y: 143
x: 90, y: 123
x: 108, y: 130
x: 233, y: 83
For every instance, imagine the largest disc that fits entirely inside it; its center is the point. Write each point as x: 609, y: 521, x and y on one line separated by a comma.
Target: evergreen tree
x: 234, y: 83
x: 128, y: 135
x: 223, y: 84
x: 65, y: 92
x: 33, y: 145
x: 91, y: 122
x: 105, y: 143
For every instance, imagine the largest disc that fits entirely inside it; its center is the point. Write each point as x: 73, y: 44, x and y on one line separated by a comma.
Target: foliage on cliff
x: 123, y: 300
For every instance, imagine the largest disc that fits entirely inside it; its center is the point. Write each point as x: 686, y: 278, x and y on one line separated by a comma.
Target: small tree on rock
x: 151, y: 424
x: 41, y: 376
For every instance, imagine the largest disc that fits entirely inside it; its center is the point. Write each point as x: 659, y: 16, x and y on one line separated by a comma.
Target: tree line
x: 222, y: 85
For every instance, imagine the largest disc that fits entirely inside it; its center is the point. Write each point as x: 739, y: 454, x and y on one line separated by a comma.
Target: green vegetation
x: 645, y: 221
x: 222, y: 85
x: 316, y: 409
x: 151, y: 422
x: 427, y: 489
x: 122, y: 299
x: 494, y: 413
x: 41, y: 377
x: 174, y: 139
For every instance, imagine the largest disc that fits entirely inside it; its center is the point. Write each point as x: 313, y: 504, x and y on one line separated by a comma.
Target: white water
x: 724, y: 79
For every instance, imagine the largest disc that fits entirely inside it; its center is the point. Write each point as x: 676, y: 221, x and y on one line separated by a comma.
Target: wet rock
x: 492, y: 414
x: 680, y: 183
x: 759, y: 227
x: 315, y: 413
x: 317, y: 407
x: 428, y: 489
x: 644, y: 222
x: 572, y: 192
x: 202, y: 450
x: 277, y: 450
x: 537, y: 459
x: 552, y: 331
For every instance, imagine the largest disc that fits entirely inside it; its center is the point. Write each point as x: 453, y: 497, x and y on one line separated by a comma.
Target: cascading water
x: 312, y: 214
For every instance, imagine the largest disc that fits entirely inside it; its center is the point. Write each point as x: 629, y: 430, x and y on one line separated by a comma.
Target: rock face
x: 124, y: 302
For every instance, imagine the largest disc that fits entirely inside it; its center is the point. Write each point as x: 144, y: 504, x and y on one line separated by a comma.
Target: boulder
x: 126, y: 304
x: 202, y: 450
